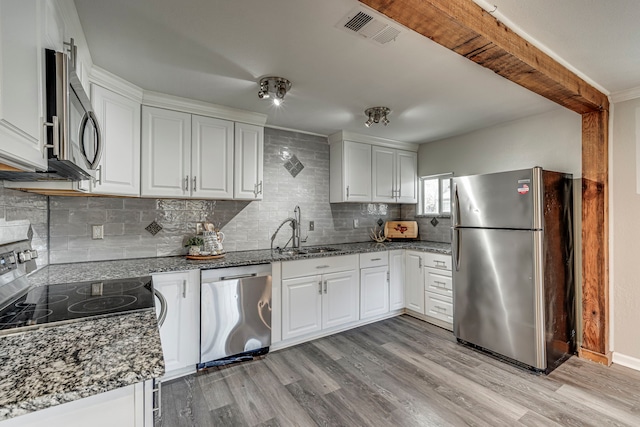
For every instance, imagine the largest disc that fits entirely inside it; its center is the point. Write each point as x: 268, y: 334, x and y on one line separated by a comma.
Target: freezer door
x: 499, y: 200
x: 496, y: 289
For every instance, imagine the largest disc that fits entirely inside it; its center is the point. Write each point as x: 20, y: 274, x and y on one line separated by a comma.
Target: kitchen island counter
x: 53, y: 365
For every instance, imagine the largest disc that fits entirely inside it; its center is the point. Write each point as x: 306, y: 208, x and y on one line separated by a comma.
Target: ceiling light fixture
x: 377, y: 115
x: 274, y: 88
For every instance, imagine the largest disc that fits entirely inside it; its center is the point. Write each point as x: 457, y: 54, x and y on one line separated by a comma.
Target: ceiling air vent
x: 370, y: 25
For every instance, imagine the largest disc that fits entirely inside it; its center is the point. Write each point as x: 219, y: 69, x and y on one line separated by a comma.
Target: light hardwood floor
x: 399, y: 372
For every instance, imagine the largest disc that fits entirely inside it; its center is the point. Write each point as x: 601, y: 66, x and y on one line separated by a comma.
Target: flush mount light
x: 377, y: 115
x: 274, y: 88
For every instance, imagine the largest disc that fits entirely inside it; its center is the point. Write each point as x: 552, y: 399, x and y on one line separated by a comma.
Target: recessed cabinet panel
x: 406, y: 176
x: 212, y: 158
x: 340, y: 304
x: 301, y: 306
x: 383, y: 174
x: 414, y: 283
x: 357, y: 172
x: 21, y: 84
x: 166, y: 153
x: 248, y: 176
x: 396, y: 279
x: 374, y: 292
x: 119, y: 119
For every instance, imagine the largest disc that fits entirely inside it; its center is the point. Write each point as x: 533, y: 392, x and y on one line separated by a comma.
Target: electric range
x: 26, y: 307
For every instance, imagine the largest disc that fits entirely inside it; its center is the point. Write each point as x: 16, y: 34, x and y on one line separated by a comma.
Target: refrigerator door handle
x: 455, y: 247
x: 456, y: 210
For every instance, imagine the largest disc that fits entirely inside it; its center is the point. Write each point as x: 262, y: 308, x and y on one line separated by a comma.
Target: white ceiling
x: 217, y: 50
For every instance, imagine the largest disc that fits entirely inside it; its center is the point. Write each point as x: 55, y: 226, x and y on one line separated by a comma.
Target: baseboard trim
x: 627, y: 361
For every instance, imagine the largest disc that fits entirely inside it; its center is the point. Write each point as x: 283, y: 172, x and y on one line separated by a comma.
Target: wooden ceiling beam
x: 465, y: 28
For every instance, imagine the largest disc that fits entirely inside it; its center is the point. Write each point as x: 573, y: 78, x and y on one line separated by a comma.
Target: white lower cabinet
x: 438, y: 285
x: 396, y: 279
x: 129, y: 406
x: 325, y: 300
x: 374, y: 284
x: 180, y: 332
x: 414, y: 281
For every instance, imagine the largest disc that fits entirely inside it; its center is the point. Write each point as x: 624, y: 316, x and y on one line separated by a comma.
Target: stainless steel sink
x: 307, y: 251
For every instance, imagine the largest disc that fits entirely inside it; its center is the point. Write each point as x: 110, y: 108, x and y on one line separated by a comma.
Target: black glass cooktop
x: 62, y: 303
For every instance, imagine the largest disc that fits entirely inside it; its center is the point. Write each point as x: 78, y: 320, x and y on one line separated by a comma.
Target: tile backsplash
x: 23, y: 216
x: 247, y: 225
x: 441, y: 232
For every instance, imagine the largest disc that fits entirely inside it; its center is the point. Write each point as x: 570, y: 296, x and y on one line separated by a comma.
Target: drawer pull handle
x: 376, y: 259
x: 438, y: 308
x: 323, y: 266
x: 440, y: 284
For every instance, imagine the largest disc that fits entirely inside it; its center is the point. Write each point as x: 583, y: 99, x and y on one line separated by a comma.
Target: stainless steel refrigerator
x: 513, y: 281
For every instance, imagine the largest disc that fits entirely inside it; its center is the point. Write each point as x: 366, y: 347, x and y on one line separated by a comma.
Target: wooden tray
x: 205, y: 257
x: 401, y: 229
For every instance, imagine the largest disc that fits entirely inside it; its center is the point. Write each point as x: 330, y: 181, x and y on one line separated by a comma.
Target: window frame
x: 421, y: 189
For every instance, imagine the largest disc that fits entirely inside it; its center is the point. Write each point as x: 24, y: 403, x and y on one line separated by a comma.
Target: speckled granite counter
x: 49, y: 366
x: 105, y: 270
x: 46, y: 367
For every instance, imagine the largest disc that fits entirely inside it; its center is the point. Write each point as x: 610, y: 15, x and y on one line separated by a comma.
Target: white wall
x: 551, y: 140
x: 625, y: 280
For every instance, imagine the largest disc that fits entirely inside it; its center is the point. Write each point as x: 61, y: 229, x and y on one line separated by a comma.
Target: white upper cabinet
x: 383, y: 174
x: 249, y: 159
x: 21, y: 84
x: 166, y: 153
x: 350, y: 172
x: 394, y: 175
x: 370, y: 169
x: 194, y: 156
x: 211, y: 158
x: 406, y: 174
x: 119, y: 119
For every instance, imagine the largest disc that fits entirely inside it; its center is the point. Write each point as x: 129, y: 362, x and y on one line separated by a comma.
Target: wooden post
x: 465, y: 28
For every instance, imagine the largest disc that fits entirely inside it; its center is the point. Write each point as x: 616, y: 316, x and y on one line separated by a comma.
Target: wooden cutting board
x: 401, y: 229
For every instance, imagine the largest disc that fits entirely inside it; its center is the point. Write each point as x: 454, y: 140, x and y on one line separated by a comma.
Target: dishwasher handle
x: 163, y: 307
x: 239, y: 276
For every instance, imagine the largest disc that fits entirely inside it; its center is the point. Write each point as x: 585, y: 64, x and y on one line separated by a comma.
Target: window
x: 434, y: 197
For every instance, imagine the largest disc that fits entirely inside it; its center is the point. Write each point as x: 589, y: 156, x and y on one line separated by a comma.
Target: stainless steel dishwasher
x: 235, y: 319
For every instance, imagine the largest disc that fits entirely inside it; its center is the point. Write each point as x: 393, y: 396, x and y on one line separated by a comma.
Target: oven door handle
x: 163, y: 307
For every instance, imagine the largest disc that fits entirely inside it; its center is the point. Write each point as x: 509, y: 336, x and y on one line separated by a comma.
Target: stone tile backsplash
x: 23, y: 215
x: 247, y: 225
x: 438, y: 233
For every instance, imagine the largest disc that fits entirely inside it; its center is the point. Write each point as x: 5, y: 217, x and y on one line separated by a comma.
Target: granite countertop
x: 49, y: 366
x: 120, y: 269
x: 53, y: 365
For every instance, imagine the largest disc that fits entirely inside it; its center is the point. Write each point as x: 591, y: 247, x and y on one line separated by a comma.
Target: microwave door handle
x: 97, y: 140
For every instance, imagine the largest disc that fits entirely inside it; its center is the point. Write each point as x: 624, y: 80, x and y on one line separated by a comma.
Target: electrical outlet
x: 312, y: 226
x: 97, y: 232
x: 356, y: 223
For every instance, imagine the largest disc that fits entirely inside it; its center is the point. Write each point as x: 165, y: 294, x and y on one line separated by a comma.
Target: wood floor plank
x: 402, y: 372
x: 287, y: 411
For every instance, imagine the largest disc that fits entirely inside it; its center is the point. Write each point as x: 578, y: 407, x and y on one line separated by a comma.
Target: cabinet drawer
x: 323, y: 265
x: 439, y: 307
x: 439, y: 282
x: 439, y: 261
x: 374, y: 259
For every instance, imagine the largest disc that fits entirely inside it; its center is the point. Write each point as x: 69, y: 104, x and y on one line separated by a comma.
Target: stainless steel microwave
x: 73, y: 137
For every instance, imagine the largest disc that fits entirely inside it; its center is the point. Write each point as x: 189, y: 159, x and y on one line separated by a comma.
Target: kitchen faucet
x: 295, y: 229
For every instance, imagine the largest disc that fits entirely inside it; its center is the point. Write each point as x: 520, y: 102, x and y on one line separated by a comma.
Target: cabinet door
x: 21, y: 85
x: 414, y: 285
x: 119, y: 120
x: 383, y: 174
x: 211, y: 158
x: 357, y: 171
x: 340, y: 298
x: 396, y: 279
x: 180, y: 332
x: 301, y: 306
x: 249, y: 157
x: 166, y: 153
x: 407, y: 176
x: 374, y: 292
